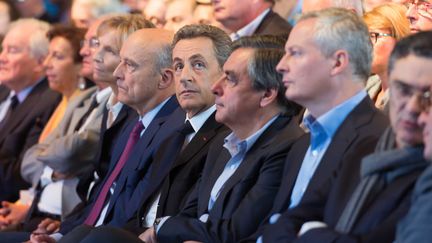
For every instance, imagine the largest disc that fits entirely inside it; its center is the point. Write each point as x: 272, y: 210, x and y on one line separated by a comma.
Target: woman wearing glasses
x: 387, y: 24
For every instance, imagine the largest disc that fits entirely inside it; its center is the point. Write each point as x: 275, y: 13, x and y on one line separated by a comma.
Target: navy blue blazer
x: 160, y: 128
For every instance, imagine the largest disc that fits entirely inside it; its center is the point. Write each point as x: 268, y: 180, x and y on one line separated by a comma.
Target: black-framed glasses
x: 374, y: 36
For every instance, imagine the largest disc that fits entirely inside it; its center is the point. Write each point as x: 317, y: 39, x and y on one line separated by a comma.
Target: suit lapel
x: 292, y: 167
x: 25, y: 108
x: 215, y: 172
x: 203, y: 136
x: 77, y: 114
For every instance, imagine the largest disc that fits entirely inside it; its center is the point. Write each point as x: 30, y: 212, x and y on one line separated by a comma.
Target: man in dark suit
x: 254, y: 18
x: 148, y: 92
x: 243, y: 168
x: 29, y: 104
x: 344, y: 125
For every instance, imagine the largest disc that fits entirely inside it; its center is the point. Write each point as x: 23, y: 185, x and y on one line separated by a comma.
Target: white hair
x: 38, y: 40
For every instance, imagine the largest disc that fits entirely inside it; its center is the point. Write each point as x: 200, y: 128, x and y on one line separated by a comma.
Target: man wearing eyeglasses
x: 416, y: 59
x: 419, y: 15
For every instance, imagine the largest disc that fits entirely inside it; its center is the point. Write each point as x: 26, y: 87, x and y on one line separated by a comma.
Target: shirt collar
x: 22, y: 95
x: 234, y: 145
x: 198, y: 120
x: 111, y: 106
x: 250, y: 28
x: 149, y: 116
x: 103, y: 94
x: 332, y: 119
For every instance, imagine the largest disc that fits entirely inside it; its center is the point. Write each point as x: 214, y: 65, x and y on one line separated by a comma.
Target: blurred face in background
x: 60, y: 67
x: 383, y: 44
x: 155, y: 12
x: 179, y: 13
x: 419, y: 15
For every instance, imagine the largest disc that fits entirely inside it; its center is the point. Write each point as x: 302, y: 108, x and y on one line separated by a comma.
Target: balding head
x: 144, y: 75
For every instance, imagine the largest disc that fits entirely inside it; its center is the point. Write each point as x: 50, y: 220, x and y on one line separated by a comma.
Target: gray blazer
x: 67, y: 151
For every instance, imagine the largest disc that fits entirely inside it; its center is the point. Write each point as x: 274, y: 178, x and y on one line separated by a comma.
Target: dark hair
x: 72, y: 34
x: 221, y: 41
x: 260, y: 41
x: 261, y: 69
x: 418, y: 44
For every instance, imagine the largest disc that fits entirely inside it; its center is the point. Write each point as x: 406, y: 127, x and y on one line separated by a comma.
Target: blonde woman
x: 387, y: 24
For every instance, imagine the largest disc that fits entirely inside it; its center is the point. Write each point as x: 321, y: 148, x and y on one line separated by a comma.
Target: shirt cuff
x: 310, y: 225
x: 161, y: 222
x: 56, y: 236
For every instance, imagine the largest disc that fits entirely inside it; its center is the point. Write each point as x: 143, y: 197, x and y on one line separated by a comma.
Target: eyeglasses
x: 375, y: 35
x: 421, y: 6
x: 92, y: 42
x: 405, y: 91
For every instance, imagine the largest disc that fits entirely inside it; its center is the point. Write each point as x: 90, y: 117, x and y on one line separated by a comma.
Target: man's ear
x: 167, y: 78
x: 340, y: 62
x: 268, y: 97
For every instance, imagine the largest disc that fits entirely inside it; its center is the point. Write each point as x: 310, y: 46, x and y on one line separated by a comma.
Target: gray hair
x: 38, y: 40
x: 163, y: 58
x: 337, y: 29
x: 221, y: 41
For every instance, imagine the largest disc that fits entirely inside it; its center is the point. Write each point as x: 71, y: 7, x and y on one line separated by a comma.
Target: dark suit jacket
x: 355, y: 138
x: 160, y: 128
x: 174, y: 176
x: 21, y: 132
x: 376, y: 221
x: 273, y: 24
x: 246, y: 197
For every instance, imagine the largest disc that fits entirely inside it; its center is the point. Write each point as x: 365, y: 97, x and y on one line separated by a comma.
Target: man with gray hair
x: 26, y: 108
x: 344, y: 125
x: 381, y: 196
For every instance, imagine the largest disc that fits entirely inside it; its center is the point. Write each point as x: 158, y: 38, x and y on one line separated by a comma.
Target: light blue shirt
x: 322, y: 131
x: 149, y: 116
x: 21, y: 96
x: 295, y: 13
x: 237, y: 149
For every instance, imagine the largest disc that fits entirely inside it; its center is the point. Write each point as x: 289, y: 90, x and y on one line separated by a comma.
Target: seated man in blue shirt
x: 327, y: 61
x: 363, y: 204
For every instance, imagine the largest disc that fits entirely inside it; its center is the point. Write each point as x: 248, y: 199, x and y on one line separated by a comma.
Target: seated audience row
x: 188, y: 136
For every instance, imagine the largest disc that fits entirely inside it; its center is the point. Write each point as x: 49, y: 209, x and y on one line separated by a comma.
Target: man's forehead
x: 194, y: 47
x: 414, y: 71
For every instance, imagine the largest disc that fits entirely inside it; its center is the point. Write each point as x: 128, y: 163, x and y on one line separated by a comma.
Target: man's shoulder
x: 273, y: 24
